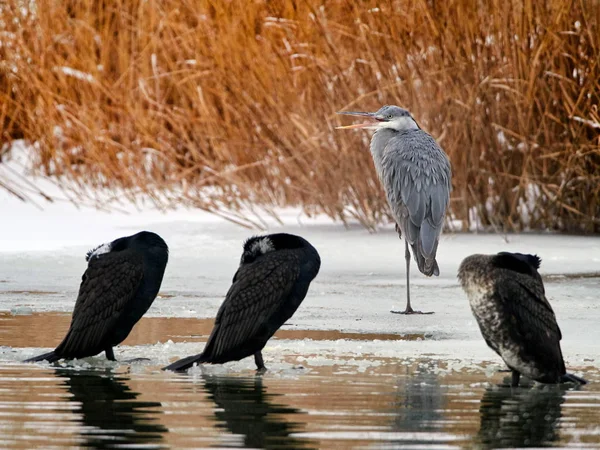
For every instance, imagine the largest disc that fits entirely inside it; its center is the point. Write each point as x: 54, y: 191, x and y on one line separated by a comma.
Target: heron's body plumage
x: 415, y: 173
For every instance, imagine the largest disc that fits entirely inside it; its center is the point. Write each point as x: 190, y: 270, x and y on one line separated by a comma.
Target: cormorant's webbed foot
x: 129, y: 361
x: 110, y: 355
x: 260, y: 364
x: 515, y: 379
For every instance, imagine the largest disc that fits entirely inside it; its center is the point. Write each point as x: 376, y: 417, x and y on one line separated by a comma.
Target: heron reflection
x: 109, y: 411
x: 520, y: 417
x: 419, y: 406
x: 243, y: 407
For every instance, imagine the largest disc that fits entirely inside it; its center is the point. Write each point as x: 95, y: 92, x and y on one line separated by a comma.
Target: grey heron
x: 270, y: 284
x: 415, y: 173
x: 507, y: 297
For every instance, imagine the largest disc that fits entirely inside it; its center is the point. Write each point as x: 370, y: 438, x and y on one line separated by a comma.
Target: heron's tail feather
x: 430, y: 267
x: 50, y: 357
x: 435, y: 268
x: 185, y: 363
x: 427, y: 266
x: 570, y: 378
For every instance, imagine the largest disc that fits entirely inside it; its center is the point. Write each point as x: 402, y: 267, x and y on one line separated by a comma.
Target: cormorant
x: 516, y: 320
x: 121, y: 282
x: 272, y: 280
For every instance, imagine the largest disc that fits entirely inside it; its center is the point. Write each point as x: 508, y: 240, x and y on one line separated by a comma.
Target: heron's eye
x: 389, y: 116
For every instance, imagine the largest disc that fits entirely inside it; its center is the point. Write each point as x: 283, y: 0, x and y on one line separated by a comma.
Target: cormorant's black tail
x: 50, y: 357
x: 185, y: 363
x: 570, y: 378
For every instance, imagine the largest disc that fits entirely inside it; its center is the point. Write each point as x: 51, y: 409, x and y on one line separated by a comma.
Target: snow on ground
x: 362, y: 277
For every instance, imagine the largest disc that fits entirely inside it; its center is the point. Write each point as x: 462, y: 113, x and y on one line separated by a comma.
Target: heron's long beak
x: 358, y: 125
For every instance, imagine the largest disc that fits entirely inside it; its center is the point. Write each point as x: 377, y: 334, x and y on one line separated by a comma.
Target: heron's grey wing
x: 416, y: 174
x: 533, y: 322
x: 259, y: 290
x: 107, y: 286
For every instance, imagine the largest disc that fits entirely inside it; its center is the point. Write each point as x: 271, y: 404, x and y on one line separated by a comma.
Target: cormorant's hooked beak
x: 372, y: 116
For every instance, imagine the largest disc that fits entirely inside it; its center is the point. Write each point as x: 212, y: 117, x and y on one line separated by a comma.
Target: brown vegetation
x: 168, y: 98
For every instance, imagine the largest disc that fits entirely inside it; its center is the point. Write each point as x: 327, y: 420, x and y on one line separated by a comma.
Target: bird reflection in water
x: 418, y: 407
x: 243, y: 407
x: 109, y: 413
x: 520, y: 417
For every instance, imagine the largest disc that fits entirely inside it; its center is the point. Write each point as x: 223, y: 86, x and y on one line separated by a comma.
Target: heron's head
x: 388, y: 116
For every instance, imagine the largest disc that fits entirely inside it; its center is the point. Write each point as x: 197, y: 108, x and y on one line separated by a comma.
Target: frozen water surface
x: 344, y: 372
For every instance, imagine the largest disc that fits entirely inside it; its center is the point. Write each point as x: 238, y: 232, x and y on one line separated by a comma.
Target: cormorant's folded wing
x: 107, y: 286
x: 532, y: 317
x: 260, y: 289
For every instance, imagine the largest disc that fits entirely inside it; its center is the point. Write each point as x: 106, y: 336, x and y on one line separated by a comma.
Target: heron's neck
x: 378, y: 143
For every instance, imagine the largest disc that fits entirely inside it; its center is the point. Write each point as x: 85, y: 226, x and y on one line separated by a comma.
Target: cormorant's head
x: 143, y: 241
x: 388, y: 116
x: 518, y: 262
x: 259, y: 245
x: 478, y: 270
x: 97, y: 251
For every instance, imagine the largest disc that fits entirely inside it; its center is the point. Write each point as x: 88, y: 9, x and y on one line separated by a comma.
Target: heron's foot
x: 411, y: 311
x: 261, y: 371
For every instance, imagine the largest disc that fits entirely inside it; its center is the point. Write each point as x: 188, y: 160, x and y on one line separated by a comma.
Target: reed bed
x: 229, y: 106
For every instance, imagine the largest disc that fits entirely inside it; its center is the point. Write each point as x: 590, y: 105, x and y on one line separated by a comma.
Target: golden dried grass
x: 229, y: 106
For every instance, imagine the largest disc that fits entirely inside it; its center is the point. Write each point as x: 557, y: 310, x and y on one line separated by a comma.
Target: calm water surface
x: 389, y: 403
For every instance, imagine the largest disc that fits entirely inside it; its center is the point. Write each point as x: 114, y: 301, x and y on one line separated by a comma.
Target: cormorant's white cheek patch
x: 262, y: 246
x: 266, y: 245
x: 104, y: 248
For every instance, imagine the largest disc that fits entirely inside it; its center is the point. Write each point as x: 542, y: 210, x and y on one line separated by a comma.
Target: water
x: 385, y: 381
x: 304, y: 401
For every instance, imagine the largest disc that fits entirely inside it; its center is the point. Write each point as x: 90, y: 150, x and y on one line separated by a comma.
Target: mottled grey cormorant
x: 516, y: 320
x: 272, y: 280
x: 121, y: 282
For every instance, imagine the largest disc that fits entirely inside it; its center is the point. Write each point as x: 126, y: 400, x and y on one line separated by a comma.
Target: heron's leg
x: 260, y: 364
x: 515, y: 378
x: 407, y: 257
x: 408, y: 309
x: 108, y: 351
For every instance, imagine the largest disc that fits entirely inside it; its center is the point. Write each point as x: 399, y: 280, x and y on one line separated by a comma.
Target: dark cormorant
x: 121, y: 282
x: 272, y: 280
x: 516, y: 320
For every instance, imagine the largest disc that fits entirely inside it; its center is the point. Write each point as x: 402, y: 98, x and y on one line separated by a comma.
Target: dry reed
x: 229, y: 105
